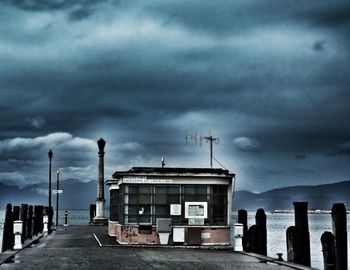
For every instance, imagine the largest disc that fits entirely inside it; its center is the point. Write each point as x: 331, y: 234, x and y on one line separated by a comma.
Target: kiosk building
x: 174, y: 206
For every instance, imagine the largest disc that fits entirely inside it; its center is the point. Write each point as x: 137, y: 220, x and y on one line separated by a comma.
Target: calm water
x: 277, y: 225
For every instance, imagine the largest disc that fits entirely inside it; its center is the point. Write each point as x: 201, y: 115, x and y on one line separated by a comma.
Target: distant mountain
x: 318, y: 197
x: 79, y: 195
x: 76, y: 194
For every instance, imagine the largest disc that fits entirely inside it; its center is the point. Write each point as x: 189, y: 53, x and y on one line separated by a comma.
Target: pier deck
x: 76, y: 247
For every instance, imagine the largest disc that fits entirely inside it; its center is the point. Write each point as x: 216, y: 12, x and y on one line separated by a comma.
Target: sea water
x: 276, y: 224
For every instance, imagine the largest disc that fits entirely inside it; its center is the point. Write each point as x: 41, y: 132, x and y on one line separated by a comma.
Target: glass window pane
x: 144, y: 199
x: 162, y: 210
x: 133, y: 189
x: 145, y: 189
x: 173, y: 199
x: 161, y: 189
x: 173, y: 189
x: 160, y: 198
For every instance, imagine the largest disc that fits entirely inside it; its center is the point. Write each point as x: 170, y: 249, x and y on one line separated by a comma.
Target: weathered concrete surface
x: 75, y: 247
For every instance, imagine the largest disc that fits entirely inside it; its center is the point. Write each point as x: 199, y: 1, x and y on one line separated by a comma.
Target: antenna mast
x: 209, y: 139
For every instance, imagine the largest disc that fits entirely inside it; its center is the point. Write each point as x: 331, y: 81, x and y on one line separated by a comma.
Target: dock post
x: 260, y: 221
x: 253, y: 239
x: 45, y: 222
x: 30, y: 222
x: 238, y: 237
x: 7, y: 235
x: 340, y: 236
x: 15, y: 212
x: 242, y: 218
x: 302, y: 235
x: 23, y: 216
x: 35, y: 220
x: 290, y: 243
x: 66, y: 218
x: 327, y: 240
x: 17, y: 231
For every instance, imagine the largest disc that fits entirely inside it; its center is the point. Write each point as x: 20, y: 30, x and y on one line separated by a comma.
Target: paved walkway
x: 75, y: 247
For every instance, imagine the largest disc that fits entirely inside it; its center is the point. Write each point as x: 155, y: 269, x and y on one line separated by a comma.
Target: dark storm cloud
x: 268, y: 78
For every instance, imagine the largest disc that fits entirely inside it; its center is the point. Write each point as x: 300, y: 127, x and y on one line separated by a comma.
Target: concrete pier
x: 89, y: 247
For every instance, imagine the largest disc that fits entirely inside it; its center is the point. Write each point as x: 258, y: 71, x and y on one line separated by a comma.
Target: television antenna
x: 209, y: 139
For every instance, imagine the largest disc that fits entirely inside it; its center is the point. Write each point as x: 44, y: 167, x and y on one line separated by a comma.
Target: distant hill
x: 76, y: 194
x: 79, y: 195
x: 318, y: 197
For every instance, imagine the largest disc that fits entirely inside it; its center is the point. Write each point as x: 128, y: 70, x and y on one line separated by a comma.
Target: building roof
x: 173, y: 171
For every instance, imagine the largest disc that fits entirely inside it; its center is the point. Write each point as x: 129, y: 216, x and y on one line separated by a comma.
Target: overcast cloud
x: 269, y: 78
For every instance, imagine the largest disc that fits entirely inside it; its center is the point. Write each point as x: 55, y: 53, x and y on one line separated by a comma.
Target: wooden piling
x: 327, y: 240
x: 23, y: 215
x: 253, y: 239
x: 290, y: 243
x: 15, y: 213
x: 340, y: 236
x: 7, y: 236
x: 30, y: 222
x: 260, y: 221
x: 36, y: 225
x: 242, y: 218
x: 302, y: 235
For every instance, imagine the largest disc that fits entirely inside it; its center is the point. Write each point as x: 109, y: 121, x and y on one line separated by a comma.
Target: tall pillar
x: 100, y: 200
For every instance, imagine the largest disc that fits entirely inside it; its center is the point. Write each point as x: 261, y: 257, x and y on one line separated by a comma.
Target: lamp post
x: 57, y: 196
x: 50, y: 213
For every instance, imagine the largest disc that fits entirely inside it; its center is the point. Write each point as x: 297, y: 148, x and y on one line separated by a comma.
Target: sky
x: 270, y: 79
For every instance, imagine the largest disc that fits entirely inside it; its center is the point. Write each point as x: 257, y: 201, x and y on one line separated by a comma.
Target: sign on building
x: 196, y: 210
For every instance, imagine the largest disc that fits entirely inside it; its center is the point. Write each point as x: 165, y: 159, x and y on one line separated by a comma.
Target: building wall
x: 129, y: 234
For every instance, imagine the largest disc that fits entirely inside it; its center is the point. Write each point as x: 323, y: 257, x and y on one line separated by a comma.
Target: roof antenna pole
x: 209, y: 139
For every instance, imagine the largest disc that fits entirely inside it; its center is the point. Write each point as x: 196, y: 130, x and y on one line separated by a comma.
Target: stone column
x: 100, y: 200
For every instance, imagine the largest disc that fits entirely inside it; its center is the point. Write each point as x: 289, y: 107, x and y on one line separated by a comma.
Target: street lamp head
x: 101, y: 144
x: 50, y: 154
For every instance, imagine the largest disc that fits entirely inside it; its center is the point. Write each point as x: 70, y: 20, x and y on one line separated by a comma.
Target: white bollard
x: 66, y: 218
x: 17, y: 231
x: 238, y: 236
x: 46, y: 222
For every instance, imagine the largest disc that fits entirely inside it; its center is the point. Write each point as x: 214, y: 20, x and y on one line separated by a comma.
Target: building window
x: 218, y: 205
x: 114, y: 204
x: 143, y: 204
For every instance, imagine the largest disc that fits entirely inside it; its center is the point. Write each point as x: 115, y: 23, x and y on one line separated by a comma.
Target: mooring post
x: 40, y: 218
x: 253, y: 239
x: 23, y: 216
x: 92, y: 211
x: 66, y: 218
x: 242, y: 218
x: 327, y: 240
x: 7, y: 235
x: 260, y: 221
x: 238, y: 236
x: 35, y: 220
x: 30, y: 222
x: 340, y: 236
x: 15, y: 213
x: 290, y: 233
x: 302, y: 235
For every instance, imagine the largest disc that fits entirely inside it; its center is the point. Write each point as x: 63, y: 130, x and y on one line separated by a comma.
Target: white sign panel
x: 196, y: 221
x: 196, y: 210
x: 57, y: 191
x: 175, y: 209
x: 145, y: 180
